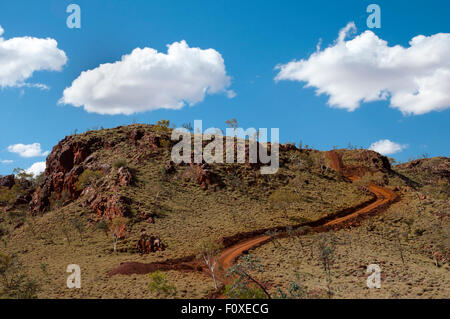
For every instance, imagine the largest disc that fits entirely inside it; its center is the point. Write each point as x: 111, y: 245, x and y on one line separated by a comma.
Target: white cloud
x: 36, y: 169
x: 20, y: 57
x: 147, y: 80
x: 416, y: 79
x: 29, y: 150
x: 386, y: 147
x: 6, y: 161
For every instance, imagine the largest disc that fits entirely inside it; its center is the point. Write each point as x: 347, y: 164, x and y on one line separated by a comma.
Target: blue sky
x: 251, y: 36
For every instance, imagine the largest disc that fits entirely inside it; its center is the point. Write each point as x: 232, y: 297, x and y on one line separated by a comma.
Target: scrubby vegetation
x: 129, y: 187
x: 88, y: 177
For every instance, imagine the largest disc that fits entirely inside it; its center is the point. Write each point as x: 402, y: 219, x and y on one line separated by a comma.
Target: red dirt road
x: 228, y: 257
x: 384, y: 197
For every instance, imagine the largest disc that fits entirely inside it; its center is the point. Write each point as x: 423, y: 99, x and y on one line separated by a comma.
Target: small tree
x: 232, y: 123
x: 296, y: 290
x: 188, y: 126
x: 209, y: 250
x: 21, y: 174
x: 162, y: 125
x: 118, y: 227
x: 326, y: 255
x: 244, y: 284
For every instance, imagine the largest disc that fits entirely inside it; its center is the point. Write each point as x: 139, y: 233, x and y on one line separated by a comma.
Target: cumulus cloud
x: 386, y: 147
x: 22, y: 56
x: 36, y: 169
x: 416, y: 79
x: 147, y: 80
x: 29, y: 150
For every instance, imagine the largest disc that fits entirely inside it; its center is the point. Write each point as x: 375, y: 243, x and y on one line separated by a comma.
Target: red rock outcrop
x: 124, y: 176
x: 7, y: 181
x: 148, y: 244
x: 106, y: 206
x: 64, y: 166
x: 203, y: 175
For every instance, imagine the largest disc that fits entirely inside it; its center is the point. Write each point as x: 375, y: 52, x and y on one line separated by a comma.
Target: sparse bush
x: 160, y: 285
x: 165, y: 143
x: 9, y: 196
x: 13, y: 283
x: 120, y: 163
x: 79, y: 226
x: 245, y: 285
x: 295, y: 290
x: 162, y: 126
x: 235, y: 291
x: 326, y: 255
x: 103, y: 226
x: 88, y: 177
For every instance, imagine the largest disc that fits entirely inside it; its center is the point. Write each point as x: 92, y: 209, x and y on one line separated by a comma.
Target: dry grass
x: 185, y: 214
x: 375, y: 242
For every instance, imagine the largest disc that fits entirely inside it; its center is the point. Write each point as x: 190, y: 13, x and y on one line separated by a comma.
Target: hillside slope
x: 94, y: 178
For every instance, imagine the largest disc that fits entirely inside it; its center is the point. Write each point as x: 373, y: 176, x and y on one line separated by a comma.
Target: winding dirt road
x: 230, y: 254
x: 384, y: 197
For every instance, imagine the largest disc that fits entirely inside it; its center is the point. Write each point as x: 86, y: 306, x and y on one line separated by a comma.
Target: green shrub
x: 234, y: 291
x: 103, y: 226
x: 13, y: 283
x: 9, y: 196
x: 161, y: 285
x: 120, y: 163
x: 88, y: 177
x: 162, y: 126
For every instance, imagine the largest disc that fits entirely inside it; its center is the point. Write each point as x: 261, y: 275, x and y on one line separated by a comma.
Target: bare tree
x: 209, y: 250
x: 232, y: 123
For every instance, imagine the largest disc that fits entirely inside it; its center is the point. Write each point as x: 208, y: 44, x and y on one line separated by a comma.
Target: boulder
x: 124, y: 176
x: 148, y: 244
x: 7, y: 181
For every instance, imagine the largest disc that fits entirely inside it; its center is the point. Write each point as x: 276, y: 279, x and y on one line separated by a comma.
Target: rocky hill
x: 126, y: 173
x: 432, y: 175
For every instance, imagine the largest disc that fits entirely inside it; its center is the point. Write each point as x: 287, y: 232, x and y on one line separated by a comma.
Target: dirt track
x: 227, y: 258
x: 384, y: 197
x: 229, y: 255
